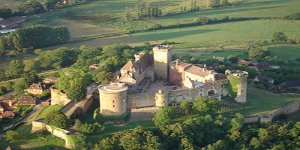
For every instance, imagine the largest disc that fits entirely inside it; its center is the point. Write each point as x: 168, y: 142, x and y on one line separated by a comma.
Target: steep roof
x: 50, y: 79
x: 129, y: 64
x: 244, y: 62
x: 262, y: 66
x: 198, y: 71
x: 5, y: 103
x: 40, y: 86
x: 264, y: 77
x: 294, y: 83
x: 8, y: 114
x: 26, y: 100
x: 145, y: 61
x: 220, y: 77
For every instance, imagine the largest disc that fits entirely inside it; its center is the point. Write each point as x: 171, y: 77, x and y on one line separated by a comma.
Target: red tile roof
x: 27, y: 100
x: 8, y: 114
x: 198, y: 71
x: 262, y: 78
x: 244, y: 62
x: 130, y: 66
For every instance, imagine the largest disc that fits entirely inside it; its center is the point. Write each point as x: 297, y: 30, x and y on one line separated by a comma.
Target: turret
x: 113, y: 99
x: 161, y: 99
x: 241, y: 86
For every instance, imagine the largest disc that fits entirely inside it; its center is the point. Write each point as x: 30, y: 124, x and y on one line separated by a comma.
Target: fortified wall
x: 58, y: 97
x: 39, y: 125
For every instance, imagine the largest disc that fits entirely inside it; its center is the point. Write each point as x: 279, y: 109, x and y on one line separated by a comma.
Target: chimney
x: 10, y: 103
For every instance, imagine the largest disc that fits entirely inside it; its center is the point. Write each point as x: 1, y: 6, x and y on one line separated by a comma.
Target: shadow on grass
x: 50, y: 147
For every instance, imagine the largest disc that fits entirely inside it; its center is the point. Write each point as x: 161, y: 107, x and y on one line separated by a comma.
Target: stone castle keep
x: 128, y: 90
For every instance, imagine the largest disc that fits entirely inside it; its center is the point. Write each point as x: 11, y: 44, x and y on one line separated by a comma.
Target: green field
x: 257, y: 30
x: 284, y: 52
x: 250, y: 8
x: 261, y: 103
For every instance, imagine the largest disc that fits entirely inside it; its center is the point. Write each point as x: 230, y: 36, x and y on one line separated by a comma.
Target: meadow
x: 285, y: 52
x: 255, y: 30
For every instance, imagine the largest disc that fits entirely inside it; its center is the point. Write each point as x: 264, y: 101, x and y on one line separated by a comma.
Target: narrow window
x: 113, y: 101
x: 241, y: 90
x: 113, y: 105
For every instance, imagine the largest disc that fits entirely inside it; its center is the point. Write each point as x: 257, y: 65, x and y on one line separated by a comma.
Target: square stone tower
x: 162, y: 58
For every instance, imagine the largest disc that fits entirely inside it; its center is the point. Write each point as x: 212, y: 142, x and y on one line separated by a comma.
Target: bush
x: 9, y: 85
x: 45, y: 95
x: 2, y: 90
x: 57, y: 119
x: 12, y: 136
x: 201, y: 20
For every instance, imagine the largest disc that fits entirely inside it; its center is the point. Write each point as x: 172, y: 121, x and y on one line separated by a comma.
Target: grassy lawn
x: 261, y: 103
x: 225, y: 54
x: 285, y: 52
x: 257, y: 30
x: 109, y: 128
x: 32, y: 141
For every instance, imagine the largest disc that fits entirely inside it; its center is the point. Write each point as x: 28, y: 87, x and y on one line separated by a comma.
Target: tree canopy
x: 279, y: 37
x: 163, y: 116
x: 57, y: 119
x: 206, y: 106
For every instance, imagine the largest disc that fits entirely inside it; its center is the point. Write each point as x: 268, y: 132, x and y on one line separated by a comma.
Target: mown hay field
x: 255, y: 30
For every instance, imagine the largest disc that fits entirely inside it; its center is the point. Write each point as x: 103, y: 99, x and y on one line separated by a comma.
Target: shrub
x: 2, y: 90
x: 12, y: 136
x: 44, y: 95
x: 57, y: 119
x: 9, y: 85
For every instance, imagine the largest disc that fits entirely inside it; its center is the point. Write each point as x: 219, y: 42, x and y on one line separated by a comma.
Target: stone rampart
x: 39, y: 125
x: 142, y: 114
x: 251, y: 119
x: 58, y: 97
x: 140, y: 100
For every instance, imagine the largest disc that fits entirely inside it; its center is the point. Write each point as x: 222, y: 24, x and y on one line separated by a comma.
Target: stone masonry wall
x: 57, y: 97
x: 140, y: 100
x: 141, y: 114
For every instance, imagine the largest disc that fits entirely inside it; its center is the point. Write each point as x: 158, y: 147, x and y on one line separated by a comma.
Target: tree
x: 258, y: 52
x: 5, y: 12
x: 163, y: 116
x: 16, y: 67
x: 12, y: 136
x: 9, y: 85
x: 31, y: 77
x: 279, y: 37
x: 2, y: 44
x: 224, y: 2
x: 201, y: 20
x: 76, y: 92
x: 233, y: 58
x: 185, y: 106
x: 57, y: 119
x: 104, y: 77
x: 214, y: 3
x: 77, y: 125
x: 127, y: 14
x: 206, y: 106
x: 20, y: 85
x: 2, y: 90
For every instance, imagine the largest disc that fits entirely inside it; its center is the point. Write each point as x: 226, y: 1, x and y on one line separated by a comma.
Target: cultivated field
x: 122, y: 39
x: 285, y: 52
x: 256, y: 30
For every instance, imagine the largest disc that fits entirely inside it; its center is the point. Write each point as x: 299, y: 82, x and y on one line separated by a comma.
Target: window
x: 113, y: 101
x: 201, y: 94
x: 222, y: 86
x: 241, y: 90
x: 113, y: 105
x: 221, y: 90
x: 211, y: 87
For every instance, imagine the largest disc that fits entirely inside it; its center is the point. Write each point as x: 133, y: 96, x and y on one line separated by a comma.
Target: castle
x: 128, y: 90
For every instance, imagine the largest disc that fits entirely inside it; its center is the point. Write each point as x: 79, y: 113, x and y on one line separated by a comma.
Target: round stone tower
x: 242, y: 86
x: 113, y: 99
x: 161, y: 99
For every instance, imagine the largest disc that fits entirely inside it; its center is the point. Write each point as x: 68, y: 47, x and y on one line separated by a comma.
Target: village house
x: 264, y: 78
x: 278, y: 89
x: 222, y: 59
x: 37, y: 89
x: 260, y: 66
x: 27, y: 100
x: 50, y: 80
x: 93, y: 67
x: 292, y: 84
x: 7, y: 107
x: 11, y: 22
